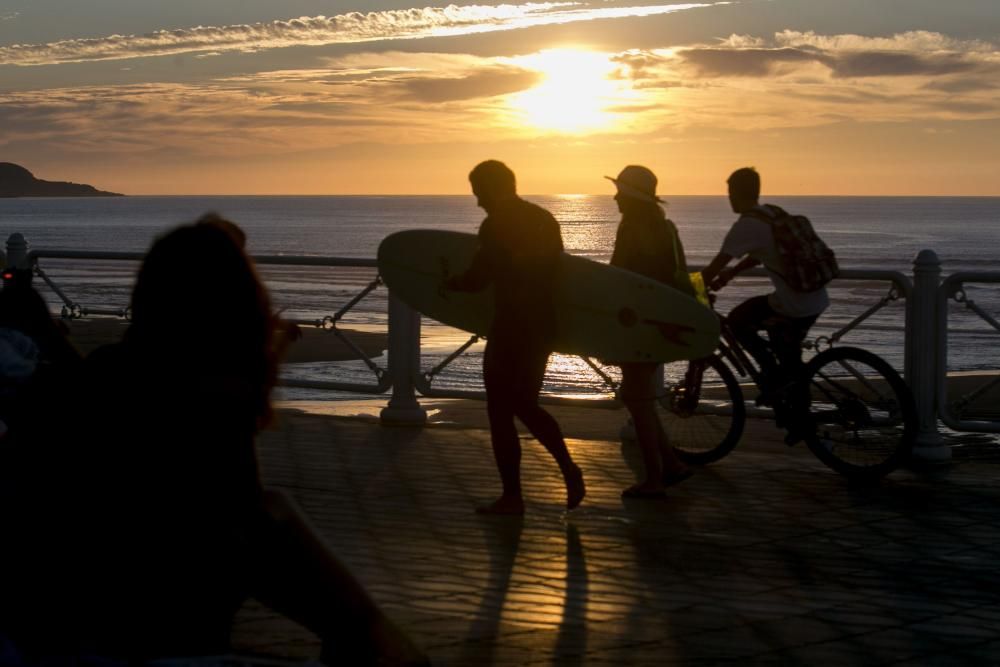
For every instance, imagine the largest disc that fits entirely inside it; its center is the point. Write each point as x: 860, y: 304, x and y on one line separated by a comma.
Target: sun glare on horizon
x: 574, y: 95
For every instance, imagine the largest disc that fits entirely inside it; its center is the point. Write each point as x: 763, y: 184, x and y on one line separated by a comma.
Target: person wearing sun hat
x: 647, y: 243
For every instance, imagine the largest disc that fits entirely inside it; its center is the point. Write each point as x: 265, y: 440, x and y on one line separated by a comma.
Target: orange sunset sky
x: 850, y: 97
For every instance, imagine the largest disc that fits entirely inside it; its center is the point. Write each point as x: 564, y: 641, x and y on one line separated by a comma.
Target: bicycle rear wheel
x: 704, y: 410
x: 863, y: 416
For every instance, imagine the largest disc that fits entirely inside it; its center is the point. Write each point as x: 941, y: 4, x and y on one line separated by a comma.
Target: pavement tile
x: 766, y: 557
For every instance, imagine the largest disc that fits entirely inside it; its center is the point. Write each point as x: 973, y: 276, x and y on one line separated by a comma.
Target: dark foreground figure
x: 136, y: 524
x: 519, y: 249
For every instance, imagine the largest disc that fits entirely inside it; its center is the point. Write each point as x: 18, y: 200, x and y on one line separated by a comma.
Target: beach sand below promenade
x: 314, y: 345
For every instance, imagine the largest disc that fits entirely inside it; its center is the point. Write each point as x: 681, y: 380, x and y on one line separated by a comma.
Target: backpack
x: 807, y: 264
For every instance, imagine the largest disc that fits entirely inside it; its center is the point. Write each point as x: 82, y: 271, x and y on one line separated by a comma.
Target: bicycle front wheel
x: 864, y: 415
x: 704, y: 410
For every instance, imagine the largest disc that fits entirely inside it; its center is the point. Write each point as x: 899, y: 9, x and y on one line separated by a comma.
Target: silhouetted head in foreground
x: 235, y: 231
x: 493, y: 183
x: 24, y: 310
x: 744, y: 189
x: 198, y: 308
x: 636, y: 193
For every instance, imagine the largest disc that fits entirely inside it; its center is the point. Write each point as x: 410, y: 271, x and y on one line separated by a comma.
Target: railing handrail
x: 925, y: 326
x: 897, y: 278
x: 291, y: 260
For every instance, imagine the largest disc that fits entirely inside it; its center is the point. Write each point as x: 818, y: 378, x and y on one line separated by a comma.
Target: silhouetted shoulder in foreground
x: 145, y: 526
x: 16, y: 181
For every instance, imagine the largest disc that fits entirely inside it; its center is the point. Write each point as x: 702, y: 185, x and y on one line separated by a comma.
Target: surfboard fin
x: 672, y: 331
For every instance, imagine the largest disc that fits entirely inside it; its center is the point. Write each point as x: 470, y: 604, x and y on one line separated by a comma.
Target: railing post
x: 921, y: 362
x: 17, y: 251
x: 404, y: 362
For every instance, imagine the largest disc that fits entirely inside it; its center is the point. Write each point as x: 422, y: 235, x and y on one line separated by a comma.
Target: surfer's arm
x: 475, y: 278
x: 484, y: 265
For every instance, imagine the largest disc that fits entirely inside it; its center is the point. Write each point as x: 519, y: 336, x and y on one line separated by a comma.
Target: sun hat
x: 637, y: 182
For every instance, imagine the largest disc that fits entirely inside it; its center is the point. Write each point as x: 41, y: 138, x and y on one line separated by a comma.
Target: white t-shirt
x: 753, y: 237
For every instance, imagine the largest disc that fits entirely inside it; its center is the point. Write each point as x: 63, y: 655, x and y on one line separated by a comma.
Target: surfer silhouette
x: 519, y: 245
x: 647, y: 243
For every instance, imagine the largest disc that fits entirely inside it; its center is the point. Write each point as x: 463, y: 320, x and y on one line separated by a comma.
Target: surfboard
x: 601, y: 311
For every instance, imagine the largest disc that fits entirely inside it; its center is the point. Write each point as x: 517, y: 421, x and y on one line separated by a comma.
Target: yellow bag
x: 700, y: 293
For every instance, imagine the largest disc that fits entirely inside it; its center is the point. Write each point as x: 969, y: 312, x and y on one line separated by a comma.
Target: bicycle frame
x: 732, y: 351
x: 852, y: 423
x: 736, y: 356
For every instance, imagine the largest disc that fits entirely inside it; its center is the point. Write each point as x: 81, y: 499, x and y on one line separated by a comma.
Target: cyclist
x: 786, y: 313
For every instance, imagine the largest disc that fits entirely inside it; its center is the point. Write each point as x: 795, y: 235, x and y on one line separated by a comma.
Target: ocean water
x: 866, y: 233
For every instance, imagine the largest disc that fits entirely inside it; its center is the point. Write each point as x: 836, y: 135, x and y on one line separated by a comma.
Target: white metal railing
x: 74, y: 310
x: 954, y: 411
x: 925, y: 341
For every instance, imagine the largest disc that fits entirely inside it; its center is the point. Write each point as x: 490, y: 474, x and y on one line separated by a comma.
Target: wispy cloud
x: 801, y: 79
x: 791, y: 80
x: 385, y: 97
x: 9, y: 16
x: 488, y: 83
x: 916, y: 53
x: 354, y: 27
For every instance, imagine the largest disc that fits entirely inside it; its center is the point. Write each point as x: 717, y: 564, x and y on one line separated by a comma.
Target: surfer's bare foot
x: 506, y: 506
x: 575, y: 488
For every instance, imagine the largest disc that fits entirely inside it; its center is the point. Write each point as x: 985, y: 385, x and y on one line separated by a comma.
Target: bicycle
x: 858, y: 415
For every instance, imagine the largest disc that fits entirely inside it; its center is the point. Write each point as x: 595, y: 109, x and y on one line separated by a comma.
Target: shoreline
x: 314, y: 345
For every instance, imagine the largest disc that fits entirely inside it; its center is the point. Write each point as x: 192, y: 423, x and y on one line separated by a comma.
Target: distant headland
x: 16, y: 181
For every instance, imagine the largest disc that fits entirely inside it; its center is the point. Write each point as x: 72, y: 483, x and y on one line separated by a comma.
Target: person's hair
x: 644, y: 209
x: 199, y: 309
x: 22, y: 308
x: 495, y: 176
x: 745, y: 182
x: 238, y: 235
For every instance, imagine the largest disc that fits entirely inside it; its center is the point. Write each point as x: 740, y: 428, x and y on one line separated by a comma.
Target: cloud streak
x: 350, y: 28
x: 801, y: 79
x: 412, y: 98
x: 397, y: 98
x: 917, y: 53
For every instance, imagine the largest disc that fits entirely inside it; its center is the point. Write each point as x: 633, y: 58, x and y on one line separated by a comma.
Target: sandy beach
x: 314, y: 345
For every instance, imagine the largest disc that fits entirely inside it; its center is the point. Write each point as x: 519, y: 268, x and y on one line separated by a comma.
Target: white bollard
x: 17, y: 251
x: 921, y: 361
x: 404, y: 362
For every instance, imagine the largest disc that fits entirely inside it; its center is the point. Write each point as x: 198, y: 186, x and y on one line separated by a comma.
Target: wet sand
x: 314, y: 345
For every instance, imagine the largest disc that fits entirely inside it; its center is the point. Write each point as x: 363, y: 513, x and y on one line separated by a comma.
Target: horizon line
x: 526, y: 194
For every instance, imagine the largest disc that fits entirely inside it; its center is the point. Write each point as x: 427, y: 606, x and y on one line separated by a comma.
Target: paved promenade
x: 764, y: 558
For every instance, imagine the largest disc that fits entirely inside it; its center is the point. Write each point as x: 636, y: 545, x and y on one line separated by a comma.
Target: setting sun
x: 573, y: 96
